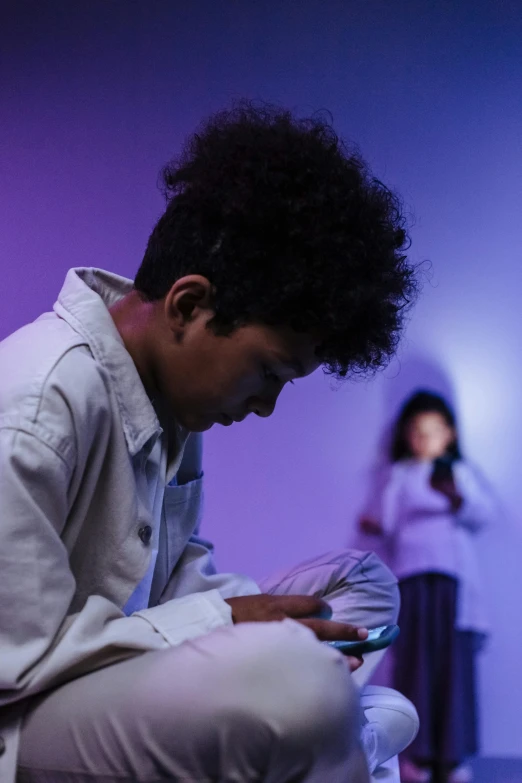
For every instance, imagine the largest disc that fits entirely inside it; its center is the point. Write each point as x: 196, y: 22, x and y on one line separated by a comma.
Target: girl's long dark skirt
x: 435, y: 669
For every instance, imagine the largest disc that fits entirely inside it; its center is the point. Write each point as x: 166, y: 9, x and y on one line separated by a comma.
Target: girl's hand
x: 371, y: 527
x: 448, y: 488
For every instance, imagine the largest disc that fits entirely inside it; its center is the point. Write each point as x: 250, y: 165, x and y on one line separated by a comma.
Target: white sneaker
x: 462, y: 774
x: 390, y: 724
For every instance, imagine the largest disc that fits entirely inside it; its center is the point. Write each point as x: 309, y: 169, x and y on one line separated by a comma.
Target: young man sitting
x: 124, y: 655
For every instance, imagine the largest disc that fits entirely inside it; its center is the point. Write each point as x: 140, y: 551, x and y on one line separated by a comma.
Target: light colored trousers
x: 250, y: 702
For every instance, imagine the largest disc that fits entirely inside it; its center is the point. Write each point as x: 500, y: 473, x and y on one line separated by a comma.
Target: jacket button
x: 2, y: 746
x: 145, y: 533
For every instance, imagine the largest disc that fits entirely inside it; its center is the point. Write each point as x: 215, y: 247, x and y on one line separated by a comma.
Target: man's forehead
x: 300, y: 353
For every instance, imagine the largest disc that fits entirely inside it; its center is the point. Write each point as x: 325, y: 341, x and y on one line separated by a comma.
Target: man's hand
x: 310, y: 611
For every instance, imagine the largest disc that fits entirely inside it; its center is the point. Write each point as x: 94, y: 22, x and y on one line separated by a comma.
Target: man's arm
x: 41, y: 645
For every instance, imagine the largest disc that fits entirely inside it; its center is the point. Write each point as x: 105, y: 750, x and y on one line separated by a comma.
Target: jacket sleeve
x: 196, y: 572
x: 41, y: 645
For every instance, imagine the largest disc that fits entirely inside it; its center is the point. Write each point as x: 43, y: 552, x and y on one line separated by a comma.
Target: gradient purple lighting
x: 96, y: 96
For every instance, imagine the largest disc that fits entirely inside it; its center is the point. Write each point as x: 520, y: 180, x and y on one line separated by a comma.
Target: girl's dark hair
x: 422, y: 402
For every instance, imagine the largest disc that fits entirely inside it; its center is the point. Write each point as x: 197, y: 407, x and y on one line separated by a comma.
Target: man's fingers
x: 298, y: 606
x: 268, y: 608
x: 354, y: 663
x: 331, y: 631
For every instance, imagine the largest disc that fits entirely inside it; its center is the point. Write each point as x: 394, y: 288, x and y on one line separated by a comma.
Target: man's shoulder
x: 47, y: 364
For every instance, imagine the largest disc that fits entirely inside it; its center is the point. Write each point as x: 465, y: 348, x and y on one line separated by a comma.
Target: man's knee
x: 276, y: 687
x: 358, y: 586
x: 299, y: 681
x: 301, y: 695
x: 363, y: 590
x: 371, y: 599
x: 382, y: 587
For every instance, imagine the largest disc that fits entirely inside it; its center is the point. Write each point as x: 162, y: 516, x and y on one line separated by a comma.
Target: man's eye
x: 271, y: 376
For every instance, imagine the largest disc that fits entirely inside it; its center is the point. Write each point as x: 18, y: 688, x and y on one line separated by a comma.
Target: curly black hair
x: 422, y: 401
x: 291, y: 229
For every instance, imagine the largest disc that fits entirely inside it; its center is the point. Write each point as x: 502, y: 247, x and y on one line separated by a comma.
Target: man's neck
x: 135, y: 319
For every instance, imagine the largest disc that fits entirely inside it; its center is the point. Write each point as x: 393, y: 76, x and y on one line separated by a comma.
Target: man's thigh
x: 246, y: 703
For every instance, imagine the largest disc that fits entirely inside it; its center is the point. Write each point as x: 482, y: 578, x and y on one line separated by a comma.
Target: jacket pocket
x: 182, y: 511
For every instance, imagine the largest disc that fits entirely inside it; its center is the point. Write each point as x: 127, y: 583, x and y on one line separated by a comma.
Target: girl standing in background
x: 431, y: 507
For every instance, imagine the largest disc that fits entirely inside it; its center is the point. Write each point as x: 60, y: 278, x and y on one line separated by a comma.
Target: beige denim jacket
x: 76, y: 431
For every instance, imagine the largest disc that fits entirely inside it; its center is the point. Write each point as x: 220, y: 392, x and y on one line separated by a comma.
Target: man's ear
x: 189, y: 297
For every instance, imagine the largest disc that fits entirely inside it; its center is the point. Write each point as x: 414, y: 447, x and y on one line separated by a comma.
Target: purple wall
x: 96, y: 95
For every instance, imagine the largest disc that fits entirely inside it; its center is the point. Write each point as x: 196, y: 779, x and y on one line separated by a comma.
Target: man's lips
x: 227, y: 420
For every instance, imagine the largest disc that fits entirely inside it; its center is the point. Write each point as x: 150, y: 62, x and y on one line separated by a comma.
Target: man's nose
x: 262, y: 406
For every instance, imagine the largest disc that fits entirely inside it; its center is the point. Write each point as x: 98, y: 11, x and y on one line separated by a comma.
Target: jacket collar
x: 84, y: 302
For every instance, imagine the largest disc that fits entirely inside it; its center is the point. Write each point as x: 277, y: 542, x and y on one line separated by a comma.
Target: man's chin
x: 197, y: 423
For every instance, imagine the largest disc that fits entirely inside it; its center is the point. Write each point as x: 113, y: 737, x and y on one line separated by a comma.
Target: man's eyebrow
x: 295, y: 365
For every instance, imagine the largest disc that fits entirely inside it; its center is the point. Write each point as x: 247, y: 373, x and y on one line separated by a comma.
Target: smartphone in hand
x: 378, y: 639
